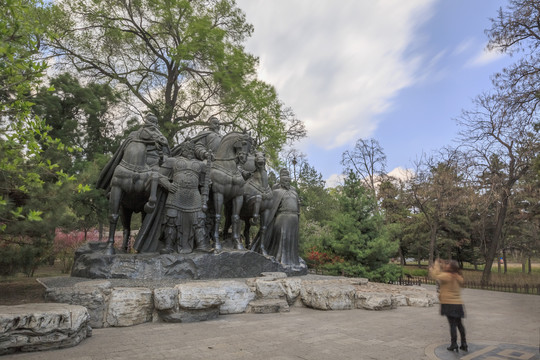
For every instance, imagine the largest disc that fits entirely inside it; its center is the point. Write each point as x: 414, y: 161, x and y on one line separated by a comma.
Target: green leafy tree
x: 317, y: 206
x: 20, y: 72
x: 317, y: 203
x: 31, y: 185
x: 393, y: 204
x: 436, y: 192
x: 183, y: 60
x: 358, y: 236
x: 79, y: 115
x: 416, y: 238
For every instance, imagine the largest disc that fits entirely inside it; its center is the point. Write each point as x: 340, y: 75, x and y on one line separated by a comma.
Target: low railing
x: 514, y: 288
x: 409, y: 280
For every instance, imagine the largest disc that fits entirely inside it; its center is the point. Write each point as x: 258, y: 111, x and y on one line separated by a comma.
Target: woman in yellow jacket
x: 450, y: 280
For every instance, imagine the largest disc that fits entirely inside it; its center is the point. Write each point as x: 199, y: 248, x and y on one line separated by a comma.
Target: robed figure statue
x: 281, y: 239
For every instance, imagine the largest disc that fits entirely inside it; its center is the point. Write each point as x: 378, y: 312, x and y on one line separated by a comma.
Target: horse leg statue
x: 227, y: 183
x: 133, y: 189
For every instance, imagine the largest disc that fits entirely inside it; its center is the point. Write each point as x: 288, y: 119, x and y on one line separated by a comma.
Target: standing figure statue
x: 184, y: 219
x: 282, y: 239
x: 131, y: 177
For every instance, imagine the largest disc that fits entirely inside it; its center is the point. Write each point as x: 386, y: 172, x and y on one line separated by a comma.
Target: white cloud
x: 483, y: 57
x: 463, y: 46
x: 401, y: 173
x: 335, y: 180
x: 337, y: 64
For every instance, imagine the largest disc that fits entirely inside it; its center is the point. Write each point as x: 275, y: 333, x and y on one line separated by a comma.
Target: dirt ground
x: 20, y: 289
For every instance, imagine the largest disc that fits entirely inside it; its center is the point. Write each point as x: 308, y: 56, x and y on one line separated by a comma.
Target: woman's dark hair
x: 453, y: 267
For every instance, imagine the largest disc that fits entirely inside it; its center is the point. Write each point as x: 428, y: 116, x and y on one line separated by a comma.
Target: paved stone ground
x: 499, y: 326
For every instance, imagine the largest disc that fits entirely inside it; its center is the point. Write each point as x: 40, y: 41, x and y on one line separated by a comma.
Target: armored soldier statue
x: 184, y: 220
x: 157, y: 150
x: 157, y: 147
x: 207, y: 141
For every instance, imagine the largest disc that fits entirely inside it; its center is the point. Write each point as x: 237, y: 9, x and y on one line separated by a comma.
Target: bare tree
x: 294, y: 161
x: 437, y: 191
x: 502, y: 141
x: 516, y: 29
x: 367, y: 160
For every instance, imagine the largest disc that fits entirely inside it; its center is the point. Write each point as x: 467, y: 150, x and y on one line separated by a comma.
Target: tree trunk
x: 497, y: 234
x: 100, y: 231
x: 432, y: 242
x: 504, y: 260
x: 530, y: 267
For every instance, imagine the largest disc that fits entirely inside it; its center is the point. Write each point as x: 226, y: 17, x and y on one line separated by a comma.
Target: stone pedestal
x: 91, y: 262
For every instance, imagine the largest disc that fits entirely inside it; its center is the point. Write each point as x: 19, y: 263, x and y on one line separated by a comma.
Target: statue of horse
x: 228, y: 179
x: 257, y: 200
x: 132, y: 177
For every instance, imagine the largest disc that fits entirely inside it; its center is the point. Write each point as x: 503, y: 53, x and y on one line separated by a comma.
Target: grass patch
x: 414, y: 271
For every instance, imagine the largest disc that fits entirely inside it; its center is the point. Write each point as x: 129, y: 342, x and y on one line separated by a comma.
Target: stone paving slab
x: 485, y: 350
x: 501, y: 319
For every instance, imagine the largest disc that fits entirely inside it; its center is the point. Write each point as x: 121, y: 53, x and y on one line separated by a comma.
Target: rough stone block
x: 419, y: 301
x: 400, y: 300
x: 419, y: 297
x: 34, y: 327
x: 273, y: 275
x: 92, y: 295
x: 165, y: 298
x: 232, y: 297
x: 197, y: 295
x: 269, y: 289
x: 374, y: 301
x: 129, y: 306
x: 238, y: 296
x: 267, y: 306
x: 188, y: 315
x: 292, y: 287
x: 327, y: 296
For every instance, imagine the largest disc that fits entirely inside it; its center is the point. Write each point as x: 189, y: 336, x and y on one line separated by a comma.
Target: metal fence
x: 409, y: 280
x: 514, y: 288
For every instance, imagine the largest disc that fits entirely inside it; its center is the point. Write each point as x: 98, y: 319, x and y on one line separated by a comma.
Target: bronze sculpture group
x: 182, y: 193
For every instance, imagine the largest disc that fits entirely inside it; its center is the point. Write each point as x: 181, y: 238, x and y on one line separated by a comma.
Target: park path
x: 499, y: 325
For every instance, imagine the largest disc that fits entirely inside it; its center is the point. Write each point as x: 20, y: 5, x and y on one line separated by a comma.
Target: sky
x: 397, y: 71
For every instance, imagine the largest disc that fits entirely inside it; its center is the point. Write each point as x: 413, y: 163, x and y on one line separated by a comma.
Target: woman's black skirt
x: 453, y: 310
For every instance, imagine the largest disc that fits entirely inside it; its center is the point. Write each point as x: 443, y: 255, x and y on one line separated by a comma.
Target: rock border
x: 109, y: 304
x: 44, y: 326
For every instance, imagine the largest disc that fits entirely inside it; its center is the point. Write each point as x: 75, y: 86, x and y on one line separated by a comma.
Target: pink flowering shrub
x: 65, y: 244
